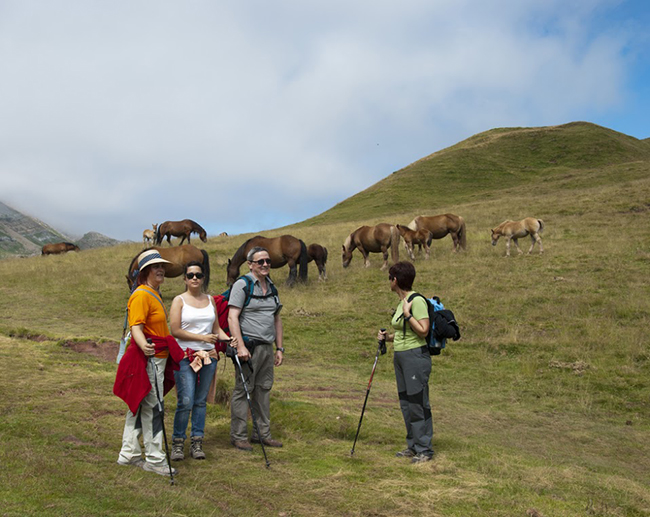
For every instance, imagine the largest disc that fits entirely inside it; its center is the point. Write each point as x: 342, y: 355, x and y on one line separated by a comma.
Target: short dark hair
x: 404, y: 273
x: 194, y: 263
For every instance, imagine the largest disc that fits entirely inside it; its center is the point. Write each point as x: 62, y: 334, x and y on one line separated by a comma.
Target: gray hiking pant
x: 412, y: 370
x: 260, y: 382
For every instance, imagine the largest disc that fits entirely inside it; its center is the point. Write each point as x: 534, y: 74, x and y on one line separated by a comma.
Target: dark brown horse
x: 413, y: 237
x: 372, y: 239
x: 285, y: 249
x: 440, y: 226
x: 59, y: 247
x: 178, y: 256
x: 179, y: 229
x: 318, y: 254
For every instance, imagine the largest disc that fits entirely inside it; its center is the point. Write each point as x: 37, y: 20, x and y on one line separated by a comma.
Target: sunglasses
x: 261, y: 262
x: 199, y: 276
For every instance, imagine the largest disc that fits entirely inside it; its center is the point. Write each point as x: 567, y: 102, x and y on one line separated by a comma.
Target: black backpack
x: 442, y: 323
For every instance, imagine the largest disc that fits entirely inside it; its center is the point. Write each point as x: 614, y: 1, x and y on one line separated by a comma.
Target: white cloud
x: 208, y: 108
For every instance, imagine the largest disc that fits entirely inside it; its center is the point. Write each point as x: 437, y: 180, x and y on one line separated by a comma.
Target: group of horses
x: 423, y: 229
x: 291, y: 251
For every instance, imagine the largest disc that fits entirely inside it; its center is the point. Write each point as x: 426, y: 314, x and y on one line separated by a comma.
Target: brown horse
x: 59, y: 247
x: 318, y: 254
x: 413, y: 237
x: 283, y: 250
x: 178, y: 256
x: 440, y: 226
x: 179, y: 229
x: 513, y: 230
x: 148, y: 235
x: 372, y: 239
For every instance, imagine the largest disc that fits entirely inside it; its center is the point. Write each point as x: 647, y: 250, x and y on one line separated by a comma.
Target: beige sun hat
x: 149, y: 257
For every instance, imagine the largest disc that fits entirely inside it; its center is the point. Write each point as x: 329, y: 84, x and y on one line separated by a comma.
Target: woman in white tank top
x: 195, y: 325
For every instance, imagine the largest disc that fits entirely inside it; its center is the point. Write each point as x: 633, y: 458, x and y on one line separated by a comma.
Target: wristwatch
x: 408, y: 317
x: 280, y: 349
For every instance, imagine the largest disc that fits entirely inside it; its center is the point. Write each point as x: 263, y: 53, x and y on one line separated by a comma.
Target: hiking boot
x: 269, y: 442
x: 178, y: 454
x: 162, y: 469
x: 196, y: 450
x: 136, y: 461
x: 242, y: 445
x: 406, y: 453
x: 422, y: 457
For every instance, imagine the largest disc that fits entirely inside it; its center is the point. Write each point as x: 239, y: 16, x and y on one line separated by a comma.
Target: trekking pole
x: 250, y: 404
x: 381, y: 349
x: 161, y: 409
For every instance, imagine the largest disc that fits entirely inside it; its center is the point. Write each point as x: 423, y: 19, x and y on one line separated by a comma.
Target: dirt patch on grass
x: 107, y: 351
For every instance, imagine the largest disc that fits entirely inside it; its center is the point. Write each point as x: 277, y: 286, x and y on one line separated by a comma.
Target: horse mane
x: 413, y: 225
x: 500, y: 227
x: 70, y: 244
x: 348, y: 240
x: 196, y: 227
x: 241, y: 251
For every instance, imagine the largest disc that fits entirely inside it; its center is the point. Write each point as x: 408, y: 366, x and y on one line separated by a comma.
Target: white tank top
x: 197, y: 321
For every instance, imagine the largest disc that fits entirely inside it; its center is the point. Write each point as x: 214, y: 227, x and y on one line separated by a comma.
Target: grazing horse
x: 413, y: 237
x: 440, y: 226
x: 223, y: 234
x: 148, y: 235
x: 59, y: 247
x: 513, y: 230
x: 178, y: 256
x: 179, y: 229
x: 318, y: 254
x: 283, y: 250
x: 372, y: 239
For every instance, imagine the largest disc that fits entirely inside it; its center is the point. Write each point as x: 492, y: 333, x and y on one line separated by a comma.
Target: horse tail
x: 206, y: 268
x: 304, y: 261
x: 413, y: 225
x: 541, y: 226
x: 394, y: 243
x: 462, y: 233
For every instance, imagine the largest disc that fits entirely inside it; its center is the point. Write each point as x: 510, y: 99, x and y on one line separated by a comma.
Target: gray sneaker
x: 421, y: 458
x: 136, y: 461
x: 161, y: 469
x: 406, y: 453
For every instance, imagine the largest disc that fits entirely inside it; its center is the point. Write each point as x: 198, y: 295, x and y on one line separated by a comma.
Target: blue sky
x: 246, y: 116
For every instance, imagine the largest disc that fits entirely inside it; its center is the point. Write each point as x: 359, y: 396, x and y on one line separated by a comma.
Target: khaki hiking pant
x: 260, y: 382
x: 147, y: 422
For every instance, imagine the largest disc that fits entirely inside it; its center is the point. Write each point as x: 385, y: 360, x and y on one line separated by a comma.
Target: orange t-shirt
x: 145, y: 309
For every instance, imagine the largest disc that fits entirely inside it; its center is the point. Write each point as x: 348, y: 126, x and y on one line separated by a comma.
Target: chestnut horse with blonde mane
x: 513, y: 230
x: 178, y: 256
x: 181, y: 229
x: 413, y: 237
x: 283, y: 250
x: 442, y: 225
x: 149, y: 235
x: 372, y: 239
x: 318, y: 254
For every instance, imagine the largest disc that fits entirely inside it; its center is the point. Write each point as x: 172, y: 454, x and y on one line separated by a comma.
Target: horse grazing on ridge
x: 179, y: 229
x: 372, y: 239
x: 440, y: 226
x: 513, y: 230
x: 149, y: 235
x: 318, y: 254
x: 178, y: 256
x: 283, y: 250
x: 58, y: 247
x: 413, y: 237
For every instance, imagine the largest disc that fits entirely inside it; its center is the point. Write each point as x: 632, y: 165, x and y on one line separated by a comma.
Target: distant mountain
x: 24, y: 235
x: 21, y: 235
x: 95, y: 240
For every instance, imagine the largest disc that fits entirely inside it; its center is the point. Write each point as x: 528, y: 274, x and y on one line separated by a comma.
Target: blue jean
x: 192, y: 395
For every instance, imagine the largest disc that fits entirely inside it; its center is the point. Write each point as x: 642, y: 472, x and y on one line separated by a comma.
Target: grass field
x: 541, y: 409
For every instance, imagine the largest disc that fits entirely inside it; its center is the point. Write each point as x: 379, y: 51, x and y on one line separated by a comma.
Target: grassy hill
x: 542, y: 408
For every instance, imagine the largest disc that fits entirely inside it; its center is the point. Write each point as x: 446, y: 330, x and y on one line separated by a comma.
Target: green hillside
x: 495, y: 160
x: 541, y: 409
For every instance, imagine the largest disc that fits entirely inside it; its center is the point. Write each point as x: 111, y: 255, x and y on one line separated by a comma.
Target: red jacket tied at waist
x: 132, y: 381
